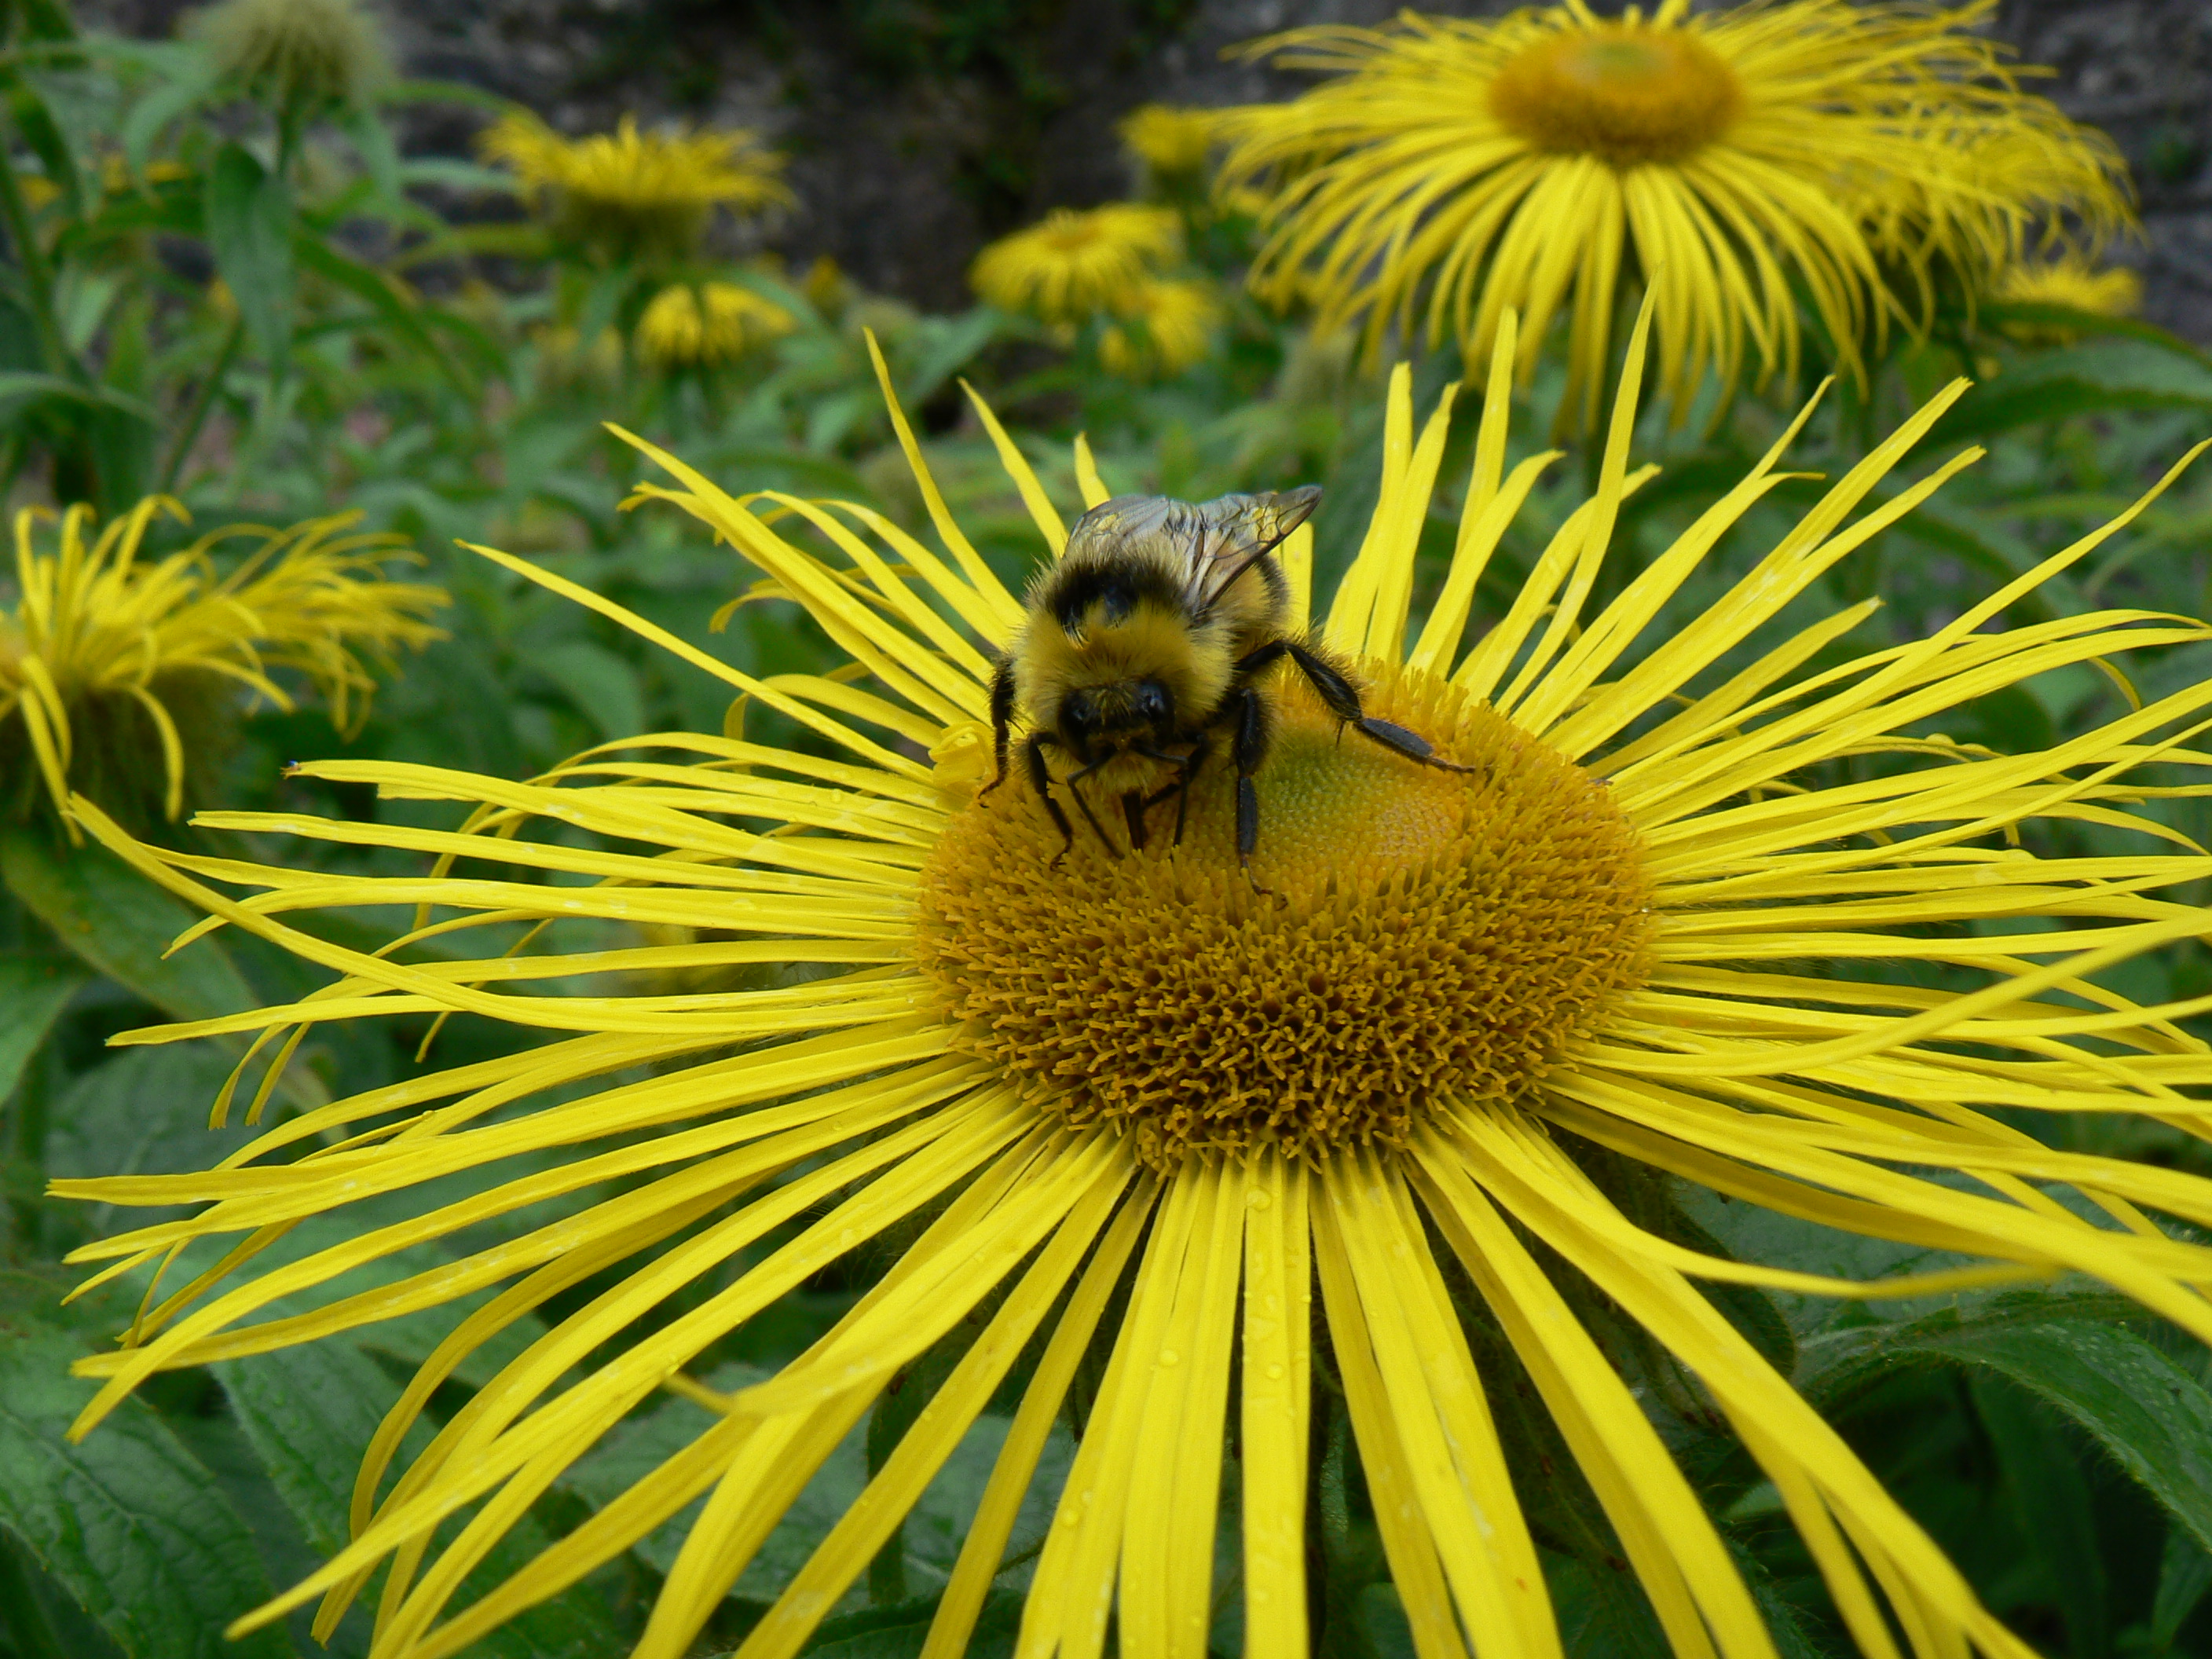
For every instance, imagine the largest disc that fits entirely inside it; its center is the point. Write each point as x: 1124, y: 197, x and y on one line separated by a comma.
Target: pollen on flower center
x: 1420, y: 934
x: 1626, y: 95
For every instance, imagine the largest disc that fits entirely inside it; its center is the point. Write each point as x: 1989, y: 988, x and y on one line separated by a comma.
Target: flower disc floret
x: 1415, y: 936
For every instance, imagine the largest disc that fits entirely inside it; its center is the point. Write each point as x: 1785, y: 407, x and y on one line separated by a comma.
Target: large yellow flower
x: 1070, y: 266
x: 1454, y: 168
x: 1655, y: 929
x: 100, y: 648
x: 635, y: 194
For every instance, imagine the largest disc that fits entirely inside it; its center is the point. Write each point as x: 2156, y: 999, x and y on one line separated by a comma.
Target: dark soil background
x: 919, y: 130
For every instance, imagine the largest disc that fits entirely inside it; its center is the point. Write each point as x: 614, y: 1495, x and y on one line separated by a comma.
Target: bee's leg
x: 1342, y: 698
x: 1187, y: 768
x: 1250, y: 749
x: 1132, y: 814
x: 1083, y: 806
x: 1200, y: 748
x: 1002, y: 715
x: 1041, y: 781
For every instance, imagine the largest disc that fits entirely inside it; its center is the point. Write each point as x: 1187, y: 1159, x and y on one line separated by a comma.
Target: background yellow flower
x: 1730, y: 159
x: 1071, y: 266
x: 1164, y: 328
x: 707, y: 324
x: 101, y: 650
x: 633, y: 193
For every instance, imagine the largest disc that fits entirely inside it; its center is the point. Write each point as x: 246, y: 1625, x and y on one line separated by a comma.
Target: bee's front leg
x: 1041, y: 781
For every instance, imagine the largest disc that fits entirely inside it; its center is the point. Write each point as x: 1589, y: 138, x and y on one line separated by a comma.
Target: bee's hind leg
x: 1342, y: 698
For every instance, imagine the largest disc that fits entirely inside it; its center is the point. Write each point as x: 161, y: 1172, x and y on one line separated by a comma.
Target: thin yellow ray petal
x: 1605, y: 511
x: 862, y: 1530
x: 1676, y: 1552
x: 1294, y: 558
x: 985, y: 1544
x: 1276, y: 1410
x: 1407, y: 1541
x: 1443, y: 1418
x: 1486, y: 665
x: 1071, y: 1594
x: 1167, y: 1539
x: 1042, y: 511
x: 843, y: 736
x: 1478, y: 536
x: 1086, y: 475
x: 1003, y: 605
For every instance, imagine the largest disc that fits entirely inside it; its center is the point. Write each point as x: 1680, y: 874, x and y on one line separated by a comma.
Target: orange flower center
x: 1629, y: 95
x: 1414, y: 935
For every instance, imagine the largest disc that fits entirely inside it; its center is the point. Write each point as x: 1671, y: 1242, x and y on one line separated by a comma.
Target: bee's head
x: 1113, y: 715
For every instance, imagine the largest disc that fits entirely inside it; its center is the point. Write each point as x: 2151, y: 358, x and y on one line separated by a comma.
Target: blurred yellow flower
x: 1732, y: 160
x: 1167, y: 327
x: 708, y: 325
x: 634, y: 194
x: 2073, y: 281
x: 1071, y: 266
x: 99, y: 649
x: 1170, y: 142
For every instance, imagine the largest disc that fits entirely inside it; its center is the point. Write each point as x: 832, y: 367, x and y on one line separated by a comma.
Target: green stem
x: 196, y: 415
x: 38, y: 279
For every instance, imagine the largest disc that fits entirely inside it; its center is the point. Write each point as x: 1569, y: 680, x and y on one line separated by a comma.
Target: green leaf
x: 2183, y: 1576
x: 22, y: 388
x: 1603, y: 1611
x: 2052, y: 1504
x: 249, y: 231
x: 601, y: 686
x: 372, y: 141
x: 2152, y: 1417
x: 898, y: 1632
x: 143, y: 1112
x: 2101, y: 376
x: 33, y: 991
x: 309, y: 1413
x: 128, y: 1523
x: 121, y: 924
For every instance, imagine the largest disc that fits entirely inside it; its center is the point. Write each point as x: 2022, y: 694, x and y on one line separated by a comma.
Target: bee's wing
x: 1224, y: 537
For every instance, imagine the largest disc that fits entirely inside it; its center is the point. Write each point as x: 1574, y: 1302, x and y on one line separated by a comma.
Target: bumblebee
x: 1144, y: 647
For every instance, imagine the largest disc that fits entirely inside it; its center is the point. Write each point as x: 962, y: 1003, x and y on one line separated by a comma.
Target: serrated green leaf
x: 121, y: 924
x: 128, y: 1523
x: 309, y: 1413
x: 2152, y: 1417
x: 249, y: 231
x: 34, y: 988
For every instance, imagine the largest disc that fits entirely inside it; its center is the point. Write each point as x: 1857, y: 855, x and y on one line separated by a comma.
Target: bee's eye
x: 1077, y: 712
x: 1153, y: 702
